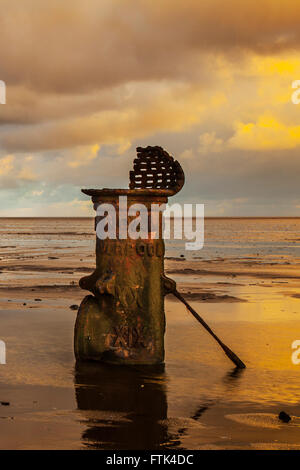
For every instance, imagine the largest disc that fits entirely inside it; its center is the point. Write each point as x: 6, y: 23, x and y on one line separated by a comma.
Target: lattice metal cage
x: 154, y: 168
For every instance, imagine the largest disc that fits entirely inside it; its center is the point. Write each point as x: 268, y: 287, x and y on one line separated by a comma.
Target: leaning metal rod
x: 236, y: 360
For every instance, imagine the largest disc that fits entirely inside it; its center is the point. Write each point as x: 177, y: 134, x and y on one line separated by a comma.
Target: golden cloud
x: 6, y: 164
x: 265, y: 134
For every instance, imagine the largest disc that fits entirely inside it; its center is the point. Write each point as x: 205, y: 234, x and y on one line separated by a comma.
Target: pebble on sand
x: 284, y: 417
x: 74, y: 307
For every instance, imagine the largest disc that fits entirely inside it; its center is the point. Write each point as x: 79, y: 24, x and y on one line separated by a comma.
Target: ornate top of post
x: 154, y: 173
x: 154, y: 168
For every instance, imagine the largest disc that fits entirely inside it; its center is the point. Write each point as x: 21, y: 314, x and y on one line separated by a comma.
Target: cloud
x: 78, y: 46
x: 6, y: 164
x: 187, y: 154
x: 83, y: 156
x: 265, y: 134
x: 15, y: 171
x: 209, y: 143
x: 26, y: 174
x: 74, y: 207
x: 173, y: 110
x: 37, y: 193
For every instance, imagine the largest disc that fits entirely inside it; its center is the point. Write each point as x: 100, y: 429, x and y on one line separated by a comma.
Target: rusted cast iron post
x: 124, y: 320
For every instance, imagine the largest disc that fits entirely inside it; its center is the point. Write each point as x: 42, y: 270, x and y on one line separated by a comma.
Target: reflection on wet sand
x: 232, y: 377
x: 126, y: 407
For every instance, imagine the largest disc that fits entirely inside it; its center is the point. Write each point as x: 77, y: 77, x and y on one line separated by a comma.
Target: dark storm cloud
x: 75, y: 46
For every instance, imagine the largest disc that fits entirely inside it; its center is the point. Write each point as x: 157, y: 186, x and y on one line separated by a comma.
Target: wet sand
x: 197, y: 400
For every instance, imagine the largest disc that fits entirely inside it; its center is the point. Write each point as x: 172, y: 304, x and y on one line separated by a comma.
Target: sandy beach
x: 246, y: 285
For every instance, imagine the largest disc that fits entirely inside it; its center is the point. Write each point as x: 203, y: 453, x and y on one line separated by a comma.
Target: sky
x: 210, y: 81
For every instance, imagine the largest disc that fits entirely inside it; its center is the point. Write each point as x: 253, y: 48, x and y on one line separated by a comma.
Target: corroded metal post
x: 124, y: 320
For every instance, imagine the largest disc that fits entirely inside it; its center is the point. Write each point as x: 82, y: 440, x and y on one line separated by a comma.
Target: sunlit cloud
x: 266, y: 134
x: 6, y: 164
x: 83, y: 156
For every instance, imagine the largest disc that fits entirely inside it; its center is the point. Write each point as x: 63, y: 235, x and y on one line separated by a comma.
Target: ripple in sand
x: 262, y: 420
